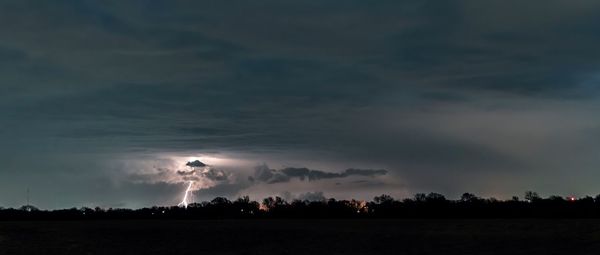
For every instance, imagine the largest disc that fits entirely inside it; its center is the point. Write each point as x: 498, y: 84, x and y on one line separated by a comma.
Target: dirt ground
x: 302, y: 237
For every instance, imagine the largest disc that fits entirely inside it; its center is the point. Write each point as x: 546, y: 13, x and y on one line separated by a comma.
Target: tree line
x: 432, y: 205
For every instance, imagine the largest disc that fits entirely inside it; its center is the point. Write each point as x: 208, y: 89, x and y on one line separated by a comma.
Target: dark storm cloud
x: 264, y: 174
x: 195, y: 163
x: 437, y: 92
x: 216, y: 175
x: 12, y: 55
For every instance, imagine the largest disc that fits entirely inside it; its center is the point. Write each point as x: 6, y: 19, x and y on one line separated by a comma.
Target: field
x: 302, y: 237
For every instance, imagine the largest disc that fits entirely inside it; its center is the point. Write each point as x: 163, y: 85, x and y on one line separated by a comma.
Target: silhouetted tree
x: 468, y: 197
x: 556, y: 198
x: 246, y: 207
x: 531, y: 196
x: 435, y: 198
x: 220, y: 201
x: 597, y: 199
x: 432, y: 205
x: 420, y: 197
x: 383, y: 199
x: 29, y: 208
x: 275, y: 206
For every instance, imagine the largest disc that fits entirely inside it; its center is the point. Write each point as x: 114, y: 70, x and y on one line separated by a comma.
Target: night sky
x: 123, y: 103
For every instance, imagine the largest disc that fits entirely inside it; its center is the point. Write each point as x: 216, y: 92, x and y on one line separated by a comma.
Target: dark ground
x: 302, y: 237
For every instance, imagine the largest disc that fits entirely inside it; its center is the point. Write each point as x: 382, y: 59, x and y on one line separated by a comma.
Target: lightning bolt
x: 184, y: 201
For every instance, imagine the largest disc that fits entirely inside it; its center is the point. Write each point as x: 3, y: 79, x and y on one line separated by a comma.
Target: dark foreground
x: 302, y: 237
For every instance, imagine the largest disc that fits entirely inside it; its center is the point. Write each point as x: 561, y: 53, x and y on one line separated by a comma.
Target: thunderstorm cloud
x: 195, y: 163
x: 124, y: 102
x: 264, y: 174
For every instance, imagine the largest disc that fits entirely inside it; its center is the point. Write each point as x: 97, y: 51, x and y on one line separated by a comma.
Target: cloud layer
x: 446, y: 96
x: 264, y: 174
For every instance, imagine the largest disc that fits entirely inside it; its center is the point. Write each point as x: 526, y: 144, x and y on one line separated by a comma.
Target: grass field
x: 302, y: 237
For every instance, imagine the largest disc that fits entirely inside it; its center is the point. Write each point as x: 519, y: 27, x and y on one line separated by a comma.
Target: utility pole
x: 27, y: 197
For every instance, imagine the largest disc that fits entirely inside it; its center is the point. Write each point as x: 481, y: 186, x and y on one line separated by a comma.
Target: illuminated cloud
x: 185, y: 173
